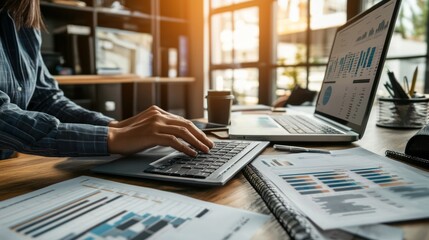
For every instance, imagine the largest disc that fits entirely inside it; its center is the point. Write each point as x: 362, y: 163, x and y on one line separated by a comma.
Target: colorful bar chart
x: 353, y: 64
x: 381, y: 177
x: 127, y: 225
x: 89, y: 208
x: 119, y: 225
x: 322, y: 182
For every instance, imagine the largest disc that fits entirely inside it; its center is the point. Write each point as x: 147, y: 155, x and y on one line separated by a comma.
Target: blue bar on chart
x: 371, y: 57
x: 302, y: 184
x: 366, y: 57
x: 308, y: 188
x: 380, y: 177
x: 314, y: 192
x: 348, y: 189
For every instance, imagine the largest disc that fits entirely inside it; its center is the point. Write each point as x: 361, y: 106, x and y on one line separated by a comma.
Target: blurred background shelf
x: 137, y: 38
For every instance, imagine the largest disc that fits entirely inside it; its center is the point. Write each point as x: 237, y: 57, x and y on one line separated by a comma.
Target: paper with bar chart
x: 353, y: 65
x: 348, y: 187
x: 91, y: 208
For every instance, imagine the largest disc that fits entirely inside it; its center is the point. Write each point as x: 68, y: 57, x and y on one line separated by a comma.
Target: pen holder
x: 402, y: 113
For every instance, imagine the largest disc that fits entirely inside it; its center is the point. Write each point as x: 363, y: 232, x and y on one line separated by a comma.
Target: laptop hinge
x: 336, y: 124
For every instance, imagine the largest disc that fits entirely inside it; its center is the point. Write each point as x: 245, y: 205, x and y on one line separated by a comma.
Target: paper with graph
x: 348, y: 187
x: 91, y: 208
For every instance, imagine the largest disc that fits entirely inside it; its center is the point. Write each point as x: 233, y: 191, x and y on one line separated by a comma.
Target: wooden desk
x: 28, y: 173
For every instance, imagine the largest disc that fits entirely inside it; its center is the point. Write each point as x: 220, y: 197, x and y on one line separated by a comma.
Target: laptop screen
x: 355, y: 66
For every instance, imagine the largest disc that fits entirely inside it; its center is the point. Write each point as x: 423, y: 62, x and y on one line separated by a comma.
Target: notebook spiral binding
x: 407, y: 158
x: 297, y: 226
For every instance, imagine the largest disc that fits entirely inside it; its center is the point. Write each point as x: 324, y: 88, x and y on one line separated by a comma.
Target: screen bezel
x: 360, y: 128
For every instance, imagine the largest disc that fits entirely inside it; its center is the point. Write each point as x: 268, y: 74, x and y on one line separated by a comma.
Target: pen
x: 396, y: 87
x: 406, y: 86
x: 294, y: 149
x: 413, y: 82
x: 389, y: 89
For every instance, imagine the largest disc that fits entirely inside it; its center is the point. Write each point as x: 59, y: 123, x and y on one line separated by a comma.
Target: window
x: 243, y: 82
x: 304, y: 33
x: 235, y: 36
x: 235, y: 48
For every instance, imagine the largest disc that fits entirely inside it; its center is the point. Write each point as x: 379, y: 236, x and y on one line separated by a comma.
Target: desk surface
x: 28, y: 173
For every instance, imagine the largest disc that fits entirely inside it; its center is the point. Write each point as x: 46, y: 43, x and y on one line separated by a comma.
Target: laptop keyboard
x: 303, y: 125
x: 203, y: 164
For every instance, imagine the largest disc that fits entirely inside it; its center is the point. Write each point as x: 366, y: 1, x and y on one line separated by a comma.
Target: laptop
x: 348, y: 90
x: 215, y: 168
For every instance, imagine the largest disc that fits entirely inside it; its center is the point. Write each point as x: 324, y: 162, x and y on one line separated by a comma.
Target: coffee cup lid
x: 218, y: 93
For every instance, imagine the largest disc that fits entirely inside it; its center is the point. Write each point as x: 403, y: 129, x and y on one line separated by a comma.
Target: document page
x: 348, y: 187
x: 91, y: 208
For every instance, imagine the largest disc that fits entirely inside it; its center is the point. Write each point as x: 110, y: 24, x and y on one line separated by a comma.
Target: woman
x: 36, y: 118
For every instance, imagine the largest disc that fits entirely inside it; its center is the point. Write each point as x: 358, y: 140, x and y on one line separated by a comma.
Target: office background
x: 259, y: 49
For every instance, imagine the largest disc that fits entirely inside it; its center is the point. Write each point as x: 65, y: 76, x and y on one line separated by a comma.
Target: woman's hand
x: 153, y: 127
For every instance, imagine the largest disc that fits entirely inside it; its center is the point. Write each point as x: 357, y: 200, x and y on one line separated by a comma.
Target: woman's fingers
x: 193, y: 130
x: 153, y: 127
x: 135, y: 120
x: 184, y: 134
x: 172, y: 141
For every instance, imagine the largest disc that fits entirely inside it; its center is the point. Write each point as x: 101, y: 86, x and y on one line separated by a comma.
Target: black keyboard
x: 303, y: 125
x: 203, y: 164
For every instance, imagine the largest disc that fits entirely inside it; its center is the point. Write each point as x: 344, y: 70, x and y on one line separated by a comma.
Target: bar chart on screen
x: 88, y: 208
x: 354, y: 65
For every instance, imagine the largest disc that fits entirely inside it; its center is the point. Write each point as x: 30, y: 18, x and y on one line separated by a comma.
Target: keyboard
x: 204, y: 164
x: 215, y: 168
x: 303, y: 125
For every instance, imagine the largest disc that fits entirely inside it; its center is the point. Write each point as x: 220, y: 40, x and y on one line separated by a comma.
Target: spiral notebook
x: 421, y: 162
x: 299, y: 227
x: 296, y: 225
x: 314, y: 194
x: 416, y: 150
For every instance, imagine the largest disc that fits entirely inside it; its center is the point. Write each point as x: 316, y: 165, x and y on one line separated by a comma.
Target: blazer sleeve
x: 40, y: 133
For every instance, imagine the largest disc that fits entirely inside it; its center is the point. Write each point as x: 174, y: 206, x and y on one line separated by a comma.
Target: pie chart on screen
x: 327, y: 95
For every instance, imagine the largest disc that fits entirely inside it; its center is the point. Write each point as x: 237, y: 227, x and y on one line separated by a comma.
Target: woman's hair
x: 26, y: 13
